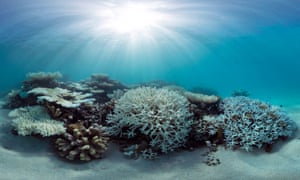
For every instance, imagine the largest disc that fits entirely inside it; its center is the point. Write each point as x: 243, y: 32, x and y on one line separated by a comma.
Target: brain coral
x: 161, y: 116
x: 252, y: 123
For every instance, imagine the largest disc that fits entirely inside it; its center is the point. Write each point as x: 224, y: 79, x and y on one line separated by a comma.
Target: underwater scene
x: 153, y: 90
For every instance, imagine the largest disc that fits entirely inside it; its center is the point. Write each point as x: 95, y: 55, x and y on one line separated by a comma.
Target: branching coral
x: 159, y: 115
x: 35, y: 120
x: 252, y: 123
x: 81, y: 143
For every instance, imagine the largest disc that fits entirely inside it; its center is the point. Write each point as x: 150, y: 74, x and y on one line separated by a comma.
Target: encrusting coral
x: 81, y: 143
x: 161, y: 116
x: 34, y: 120
x: 250, y: 123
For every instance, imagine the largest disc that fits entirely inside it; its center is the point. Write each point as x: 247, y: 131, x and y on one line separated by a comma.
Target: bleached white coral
x: 201, y: 98
x: 252, y: 123
x: 41, y: 79
x: 159, y: 114
x: 60, y: 96
x: 43, y: 76
x: 35, y: 120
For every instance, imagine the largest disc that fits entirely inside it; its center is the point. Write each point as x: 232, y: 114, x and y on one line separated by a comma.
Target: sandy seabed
x: 30, y: 158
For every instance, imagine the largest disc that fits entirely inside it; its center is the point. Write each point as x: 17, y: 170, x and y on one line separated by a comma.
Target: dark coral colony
x: 145, y: 120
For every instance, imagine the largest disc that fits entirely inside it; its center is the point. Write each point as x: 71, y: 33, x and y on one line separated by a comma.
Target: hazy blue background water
x: 218, y: 44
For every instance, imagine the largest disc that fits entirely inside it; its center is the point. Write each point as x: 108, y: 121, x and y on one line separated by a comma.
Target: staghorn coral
x: 250, y: 123
x: 62, y: 97
x: 32, y: 120
x: 159, y: 116
x: 81, y: 143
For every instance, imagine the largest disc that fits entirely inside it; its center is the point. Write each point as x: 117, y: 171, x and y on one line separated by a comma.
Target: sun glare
x: 134, y: 18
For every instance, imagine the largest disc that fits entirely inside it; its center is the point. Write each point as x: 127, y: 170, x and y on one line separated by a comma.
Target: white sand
x: 27, y: 158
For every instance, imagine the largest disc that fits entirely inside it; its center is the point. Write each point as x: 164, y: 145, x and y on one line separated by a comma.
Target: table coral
x: 32, y: 120
x: 62, y: 97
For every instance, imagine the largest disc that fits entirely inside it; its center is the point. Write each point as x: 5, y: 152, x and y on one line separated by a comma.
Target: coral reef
x: 156, y: 84
x: 206, y: 127
x: 41, y: 79
x: 100, y: 85
x: 62, y: 97
x: 102, y: 81
x: 252, y: 123
x: 144, y: 121
x: 34, y: 120
x: 240, y: 92
x: 89, y: 114
x: 81, y: 143
x: 16, y: 99
x: 116, y: 94
x: 160, y: 116
x: 198, y: 98
x: 204, y: 90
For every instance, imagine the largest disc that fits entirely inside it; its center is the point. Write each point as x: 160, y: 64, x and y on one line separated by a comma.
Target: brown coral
x: 81, y: 143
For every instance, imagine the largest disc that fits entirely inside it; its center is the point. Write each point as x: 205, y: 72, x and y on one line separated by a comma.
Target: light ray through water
x: 137, y: 37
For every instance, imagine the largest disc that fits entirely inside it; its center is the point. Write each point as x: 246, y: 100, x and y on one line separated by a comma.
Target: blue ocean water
x: 217, y: 44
